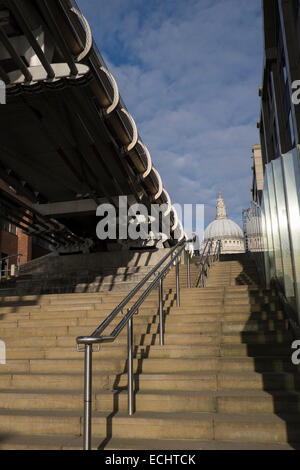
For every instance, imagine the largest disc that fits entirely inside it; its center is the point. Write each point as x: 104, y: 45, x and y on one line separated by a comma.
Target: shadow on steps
x: 271, y: 352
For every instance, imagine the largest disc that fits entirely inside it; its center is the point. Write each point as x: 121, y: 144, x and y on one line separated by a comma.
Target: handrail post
x: 130, y: 366
x: 188, y: 271
x: 202, y: 275
x: 177, y: 284
x: 161, y: 314
x: 87, y: 431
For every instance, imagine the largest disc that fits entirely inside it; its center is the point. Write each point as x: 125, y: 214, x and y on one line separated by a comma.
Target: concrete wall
x: 94, y: 261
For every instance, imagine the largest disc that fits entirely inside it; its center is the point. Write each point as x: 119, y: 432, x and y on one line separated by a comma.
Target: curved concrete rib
x: 160, y: 185
x: 134, y: 129
x: 182, y: 234
x: 88, y: 32
x: 149, y: 161
x: 167, y: 196
x: 176, y: 219
x: 179, y: 229
x: 115, y: 88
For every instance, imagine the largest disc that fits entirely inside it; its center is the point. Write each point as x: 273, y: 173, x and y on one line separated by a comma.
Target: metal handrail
x: 18, y: 255
x: 208, y: 260
x: 200, y: 263
x: 132, y: 293
x: 95, y: 338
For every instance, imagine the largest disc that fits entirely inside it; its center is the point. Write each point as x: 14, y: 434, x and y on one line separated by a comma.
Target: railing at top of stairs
x: 172, y: 258
x: 4, y: 268
x: 210, y: 254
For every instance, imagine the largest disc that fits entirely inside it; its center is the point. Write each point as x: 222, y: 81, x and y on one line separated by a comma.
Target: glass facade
x: 273, y: 229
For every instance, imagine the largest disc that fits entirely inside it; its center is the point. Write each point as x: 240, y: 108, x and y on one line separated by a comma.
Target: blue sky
x: 189, y: 71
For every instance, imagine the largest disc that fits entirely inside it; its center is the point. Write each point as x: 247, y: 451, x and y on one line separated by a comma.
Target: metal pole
x: 130, y: 366
x: 161, y: 319
x: 188, y: 271
x: 177, y: 284
x: 87, y: 431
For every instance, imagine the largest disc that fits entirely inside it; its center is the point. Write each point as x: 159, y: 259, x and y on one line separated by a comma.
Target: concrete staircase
x: 223, y: 380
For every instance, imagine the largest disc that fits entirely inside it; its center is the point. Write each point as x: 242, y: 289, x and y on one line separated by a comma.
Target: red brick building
x: 14, y: 241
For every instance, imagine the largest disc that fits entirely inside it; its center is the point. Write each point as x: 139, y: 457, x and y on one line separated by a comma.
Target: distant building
x: 224, y: 229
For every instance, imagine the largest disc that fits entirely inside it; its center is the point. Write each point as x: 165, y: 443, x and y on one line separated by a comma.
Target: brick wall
x: 12, y: 244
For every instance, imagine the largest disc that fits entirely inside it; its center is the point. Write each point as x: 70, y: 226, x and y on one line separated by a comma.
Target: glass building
x: 272, y: 223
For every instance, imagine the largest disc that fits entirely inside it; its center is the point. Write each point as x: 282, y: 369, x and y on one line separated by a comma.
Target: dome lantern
x: 221, y: 208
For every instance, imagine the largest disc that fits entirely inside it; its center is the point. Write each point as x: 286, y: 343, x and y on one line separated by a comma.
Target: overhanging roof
x: 66, y: 133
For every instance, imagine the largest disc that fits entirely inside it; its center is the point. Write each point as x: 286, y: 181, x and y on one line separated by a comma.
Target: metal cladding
x: 66, y: 131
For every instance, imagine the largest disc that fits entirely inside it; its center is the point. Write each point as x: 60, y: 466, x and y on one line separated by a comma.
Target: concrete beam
x: 79, y: 206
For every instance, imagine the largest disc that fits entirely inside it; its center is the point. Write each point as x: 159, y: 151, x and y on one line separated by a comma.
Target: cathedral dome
x: 224, y: 229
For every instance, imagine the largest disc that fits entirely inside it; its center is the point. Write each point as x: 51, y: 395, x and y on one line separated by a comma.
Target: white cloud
x: 189, y: 73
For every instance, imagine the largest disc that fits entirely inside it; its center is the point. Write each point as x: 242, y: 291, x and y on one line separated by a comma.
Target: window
x: 8, y: 227
x: 4, y: 225
x: 12, y: 229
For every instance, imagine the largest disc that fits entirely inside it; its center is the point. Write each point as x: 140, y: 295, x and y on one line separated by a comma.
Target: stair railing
x: 211, y: 254
x: 4, y: 268
x: 172, y: 258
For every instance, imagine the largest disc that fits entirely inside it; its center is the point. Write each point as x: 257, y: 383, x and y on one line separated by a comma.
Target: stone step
x: 40, y: 422
x: 57, y: 422
x: 65, y: 442
x: 190, y: 444
x: 262, y: 428
x: 92, y: 311
x: 254, y: 326
x: 215, y: 381
x: 209, y: 327
x: 243, y: 402
x: 139, y: 339
x: 253, y: 350
x: 164, y: 401
x: 153, y: 338
x: 46, y: 442
x: 61, y: 328
x: 54, y: 382
x: 157, y: 425
x: 258, y: 316
x: 205, y: 363
x: 118, y: 365
x: 275, y: 337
